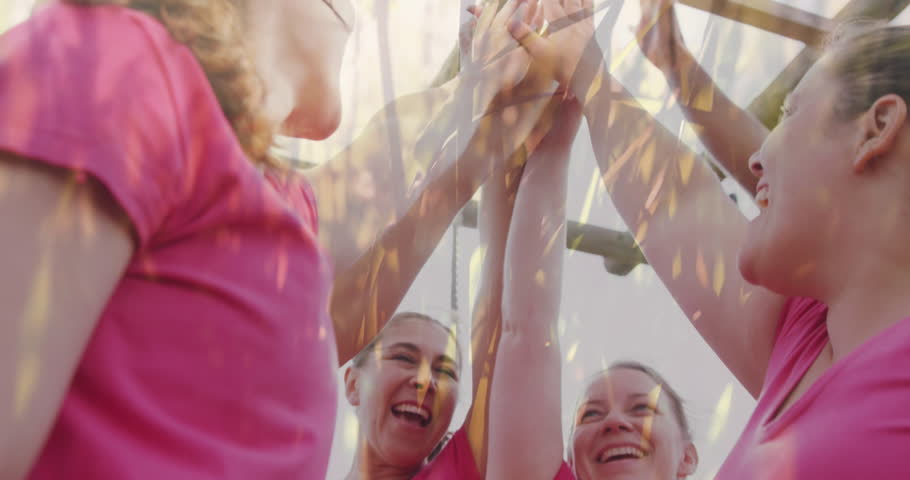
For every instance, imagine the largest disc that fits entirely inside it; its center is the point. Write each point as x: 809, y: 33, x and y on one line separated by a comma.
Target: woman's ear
x: 689, y: 462
x: 880, y: 127
x: 351, y: 390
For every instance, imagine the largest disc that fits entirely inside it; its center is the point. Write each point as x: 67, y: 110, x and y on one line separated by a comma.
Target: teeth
x: 613, y: 452
x: 408, y: 408
x: 761, y: 198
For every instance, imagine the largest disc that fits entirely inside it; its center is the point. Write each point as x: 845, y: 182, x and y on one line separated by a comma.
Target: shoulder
x: 105, y: 90
x: 296, y: 190
x: 92, y: 66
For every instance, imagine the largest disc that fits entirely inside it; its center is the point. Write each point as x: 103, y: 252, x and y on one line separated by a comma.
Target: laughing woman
x: 629, y: 423
x: 404, y: 384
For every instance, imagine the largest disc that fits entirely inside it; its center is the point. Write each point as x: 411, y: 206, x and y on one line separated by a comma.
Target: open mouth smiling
x: 620, y: 453
x: 412, y: 413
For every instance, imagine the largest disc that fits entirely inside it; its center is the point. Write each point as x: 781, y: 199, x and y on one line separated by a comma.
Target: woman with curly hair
x: 165, y: 294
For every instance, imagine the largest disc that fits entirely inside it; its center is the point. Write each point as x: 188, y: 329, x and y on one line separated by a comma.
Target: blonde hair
x: 870, y: 59
x: 213, y: 31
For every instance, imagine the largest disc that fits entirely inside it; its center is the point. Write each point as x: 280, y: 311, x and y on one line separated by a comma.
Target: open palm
x: 571, y: 44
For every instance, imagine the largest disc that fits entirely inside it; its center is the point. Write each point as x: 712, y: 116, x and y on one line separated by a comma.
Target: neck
x: 872, y: 299
x: 277, y: 76
x: 368, y: 466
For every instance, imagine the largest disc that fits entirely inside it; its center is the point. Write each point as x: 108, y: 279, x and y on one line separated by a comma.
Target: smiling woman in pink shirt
x: 404, y: 385
x: 629, y: 423
x: 807, y: 303
x: 165, y: 296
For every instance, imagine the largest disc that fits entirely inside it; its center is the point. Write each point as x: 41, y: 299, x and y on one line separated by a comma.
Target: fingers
x: 466, y: 35
x: 552, y: 10
x: 572, y: 6
x: 535, y: 45
x: 487, y: 14
x: 512, y: 9
x: 538, y: 21
x: 531, y: 14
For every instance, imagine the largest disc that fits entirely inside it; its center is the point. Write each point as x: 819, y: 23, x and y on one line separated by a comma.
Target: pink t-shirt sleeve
x: 298, y: 193
x: 108, y: 116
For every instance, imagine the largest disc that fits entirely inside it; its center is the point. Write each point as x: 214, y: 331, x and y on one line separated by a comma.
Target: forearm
x: 367, y: 294
x: 388, y: 265
x: 687, y: 227
x: 534, y: 254
x: 494, y: 216
x: 671, y: 201
x: 641, y: 161
x: 529, y: 343
x: 730, y: 133
x: 399, y: 155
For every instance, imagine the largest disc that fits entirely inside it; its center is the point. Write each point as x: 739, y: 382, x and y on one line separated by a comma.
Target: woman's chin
x: 312, y: 126
x: 747, y: 265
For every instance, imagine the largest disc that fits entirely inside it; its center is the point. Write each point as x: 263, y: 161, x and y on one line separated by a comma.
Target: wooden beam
x: 766, y: 106
x: 617, y: 248
x: 771, y: 16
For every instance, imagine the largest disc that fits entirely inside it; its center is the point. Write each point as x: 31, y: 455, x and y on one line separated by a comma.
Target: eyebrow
x: 631, y: 396
x: 415, y: 349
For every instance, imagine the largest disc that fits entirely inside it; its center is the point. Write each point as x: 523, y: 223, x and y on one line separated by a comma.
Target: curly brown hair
x: 213, y: 31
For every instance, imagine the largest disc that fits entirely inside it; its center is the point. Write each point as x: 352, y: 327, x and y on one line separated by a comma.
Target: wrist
x: 589, y: 73
x: 476, y: 88
x: 680, y: 66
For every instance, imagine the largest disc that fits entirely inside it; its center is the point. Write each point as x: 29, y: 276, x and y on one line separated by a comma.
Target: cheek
x: 581, y: 440
x: 384, y: 383
x: 447, y: 397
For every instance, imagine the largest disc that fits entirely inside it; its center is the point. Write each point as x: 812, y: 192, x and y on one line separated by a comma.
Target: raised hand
x: 658, y: 35
x: 492, y: 49
x: 570, y: 46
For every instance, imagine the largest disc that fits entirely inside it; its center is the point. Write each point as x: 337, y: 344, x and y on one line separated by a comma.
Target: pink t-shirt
x: 852, y: 423
x: 564, y: 473
x: 215, y: 357
x: 456, y: 462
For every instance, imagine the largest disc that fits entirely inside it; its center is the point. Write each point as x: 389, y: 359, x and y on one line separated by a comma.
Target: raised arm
x: 494, y: 216
x: 372, y: 183
x: 65, y: 247
x: 731, y: 134
x: 687, y: 227
x: 368, y: 290
x: 525, y: 404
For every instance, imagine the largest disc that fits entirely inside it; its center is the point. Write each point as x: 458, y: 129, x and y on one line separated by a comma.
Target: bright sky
x: 629, y: 317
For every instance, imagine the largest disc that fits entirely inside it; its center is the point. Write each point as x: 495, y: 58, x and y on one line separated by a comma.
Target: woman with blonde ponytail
x: 164, y: 292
